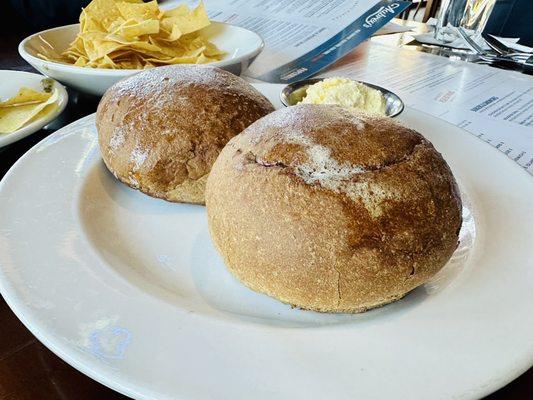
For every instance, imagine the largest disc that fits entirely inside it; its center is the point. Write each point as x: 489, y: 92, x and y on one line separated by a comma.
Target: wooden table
x: 28, y: 370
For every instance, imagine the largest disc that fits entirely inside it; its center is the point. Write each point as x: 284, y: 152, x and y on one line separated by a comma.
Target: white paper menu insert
x: 493, y: 104
x: 290, y: 28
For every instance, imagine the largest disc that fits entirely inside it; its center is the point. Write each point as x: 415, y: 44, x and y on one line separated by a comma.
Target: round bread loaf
x: 332, y: 211
x: 161, y: 130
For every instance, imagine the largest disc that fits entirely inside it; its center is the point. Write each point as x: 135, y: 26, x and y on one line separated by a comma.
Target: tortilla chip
x: 103, y: 11
x: 192, y: 22
x: 135, y: 35
x: 179, y: 11
x: 138, y: 11
x: 25, y: 96
x: 88, y: 23
x: 81, y: 62
x: 19, y: 110
x: 132, y: 29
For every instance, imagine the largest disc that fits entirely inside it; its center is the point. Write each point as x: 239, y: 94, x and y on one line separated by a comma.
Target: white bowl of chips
x: 45, y: 50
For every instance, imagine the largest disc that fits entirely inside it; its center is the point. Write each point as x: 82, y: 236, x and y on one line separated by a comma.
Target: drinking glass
x: 468, y: 14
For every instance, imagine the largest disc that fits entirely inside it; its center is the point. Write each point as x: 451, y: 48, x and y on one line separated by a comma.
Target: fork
x: 519, y: 58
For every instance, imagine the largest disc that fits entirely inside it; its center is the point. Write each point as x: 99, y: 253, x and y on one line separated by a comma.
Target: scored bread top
x: 166, y: 125
x: 372, y: 160
x: 329, y: 145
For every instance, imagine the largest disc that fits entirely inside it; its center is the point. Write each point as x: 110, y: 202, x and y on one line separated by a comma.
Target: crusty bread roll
x: 161, y: 130
x: 332, y: 211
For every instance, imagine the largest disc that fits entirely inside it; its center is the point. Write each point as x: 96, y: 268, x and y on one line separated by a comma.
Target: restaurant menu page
x: 303, y: 36
x: 495, y: 105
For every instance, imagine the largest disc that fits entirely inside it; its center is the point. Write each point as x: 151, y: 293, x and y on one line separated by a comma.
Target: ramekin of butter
x: 344, y: 92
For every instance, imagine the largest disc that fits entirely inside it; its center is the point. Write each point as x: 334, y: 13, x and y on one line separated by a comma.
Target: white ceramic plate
x: 240, y: 44
x: 129, y: 290
x: 11, y: 82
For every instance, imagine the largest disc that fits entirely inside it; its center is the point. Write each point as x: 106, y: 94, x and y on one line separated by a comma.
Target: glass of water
x: 468, y: 14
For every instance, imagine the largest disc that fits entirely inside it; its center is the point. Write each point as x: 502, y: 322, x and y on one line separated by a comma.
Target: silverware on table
x: 471, y: 42
x: 502, y: 48
x: 293, y: 93
x: 519, y: 61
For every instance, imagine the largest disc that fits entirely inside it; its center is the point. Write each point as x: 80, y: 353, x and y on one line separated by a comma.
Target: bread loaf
x: 330, y: 210
x: 161, y: 130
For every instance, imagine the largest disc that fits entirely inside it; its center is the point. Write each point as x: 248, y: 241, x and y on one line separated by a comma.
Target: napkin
x: 452, y: 38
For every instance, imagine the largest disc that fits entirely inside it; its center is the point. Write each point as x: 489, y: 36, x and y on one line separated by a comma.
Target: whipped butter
x: 347, y: 93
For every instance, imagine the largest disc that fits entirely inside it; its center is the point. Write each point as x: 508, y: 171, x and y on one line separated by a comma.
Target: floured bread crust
x: 332, y: 211
x: 161, y: 130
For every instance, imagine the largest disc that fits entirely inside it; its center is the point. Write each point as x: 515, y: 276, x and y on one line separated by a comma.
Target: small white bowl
x: 12, y: 81
x: 241, y: 47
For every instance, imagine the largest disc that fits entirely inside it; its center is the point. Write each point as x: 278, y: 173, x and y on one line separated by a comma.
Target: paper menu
x: 302, y: 36
x: 493, y: 104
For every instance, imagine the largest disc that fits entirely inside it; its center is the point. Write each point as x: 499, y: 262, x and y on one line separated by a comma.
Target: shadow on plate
x: 165, y: 250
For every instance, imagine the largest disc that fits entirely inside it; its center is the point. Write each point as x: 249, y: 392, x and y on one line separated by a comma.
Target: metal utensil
x: 293, y: 93
x: 496, y: 45
x: 471, y: 43
x: 502, y: 48
x: 523, y: 61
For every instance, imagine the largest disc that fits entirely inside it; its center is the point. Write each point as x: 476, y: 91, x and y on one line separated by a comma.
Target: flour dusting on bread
x: 320, y: 166
x: 138, y: 157
x: 333, y: 148
x: 117, y: 138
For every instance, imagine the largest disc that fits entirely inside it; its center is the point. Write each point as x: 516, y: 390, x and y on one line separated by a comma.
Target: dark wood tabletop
x: 28, y: 370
